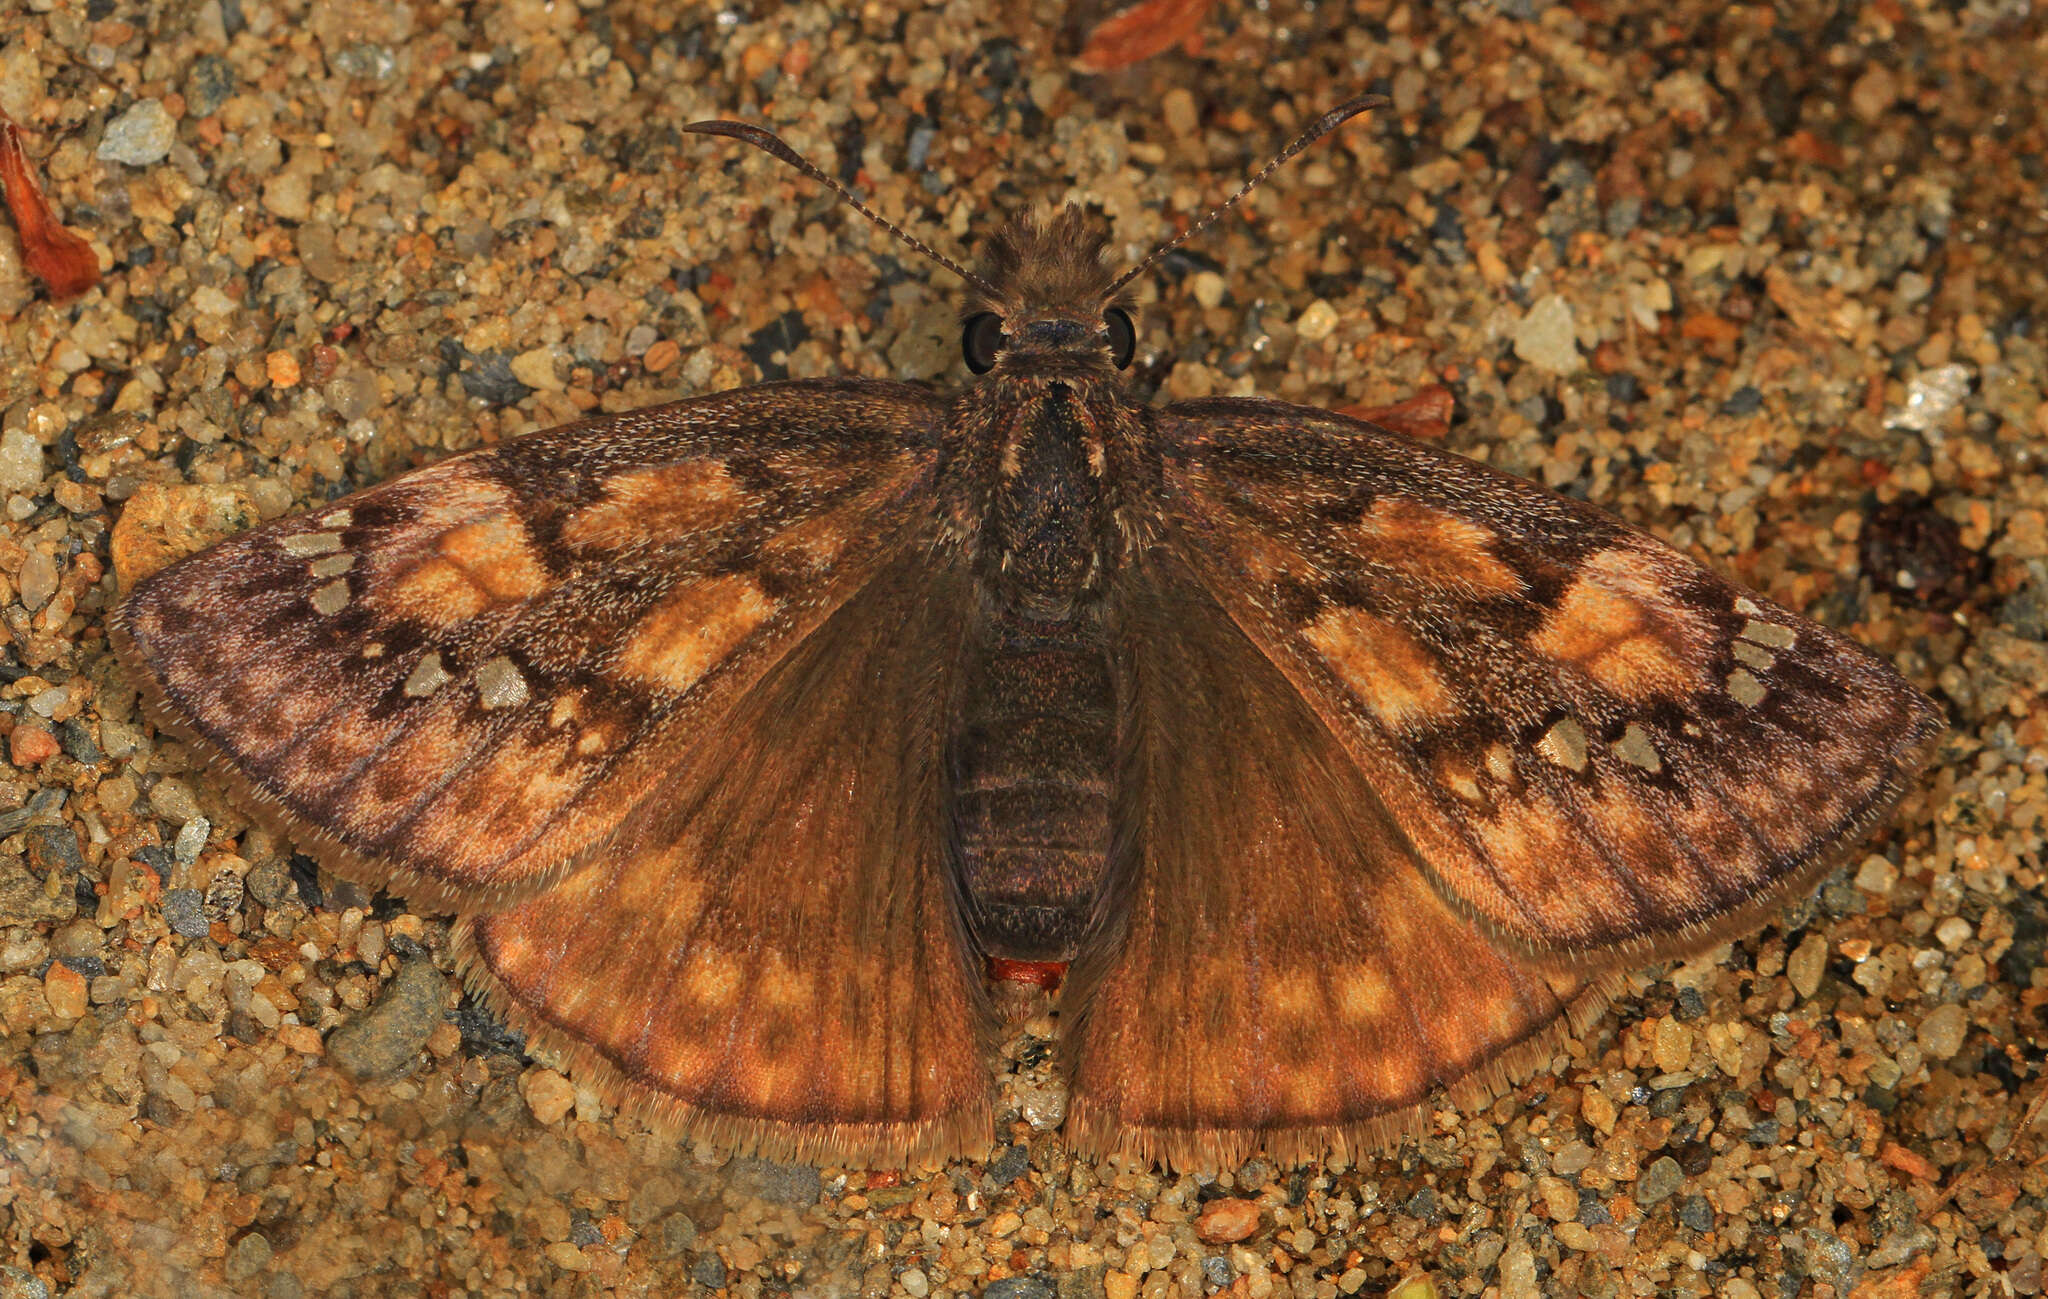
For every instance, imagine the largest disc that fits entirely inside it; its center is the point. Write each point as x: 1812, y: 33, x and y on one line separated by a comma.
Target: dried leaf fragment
x: 59, y: 257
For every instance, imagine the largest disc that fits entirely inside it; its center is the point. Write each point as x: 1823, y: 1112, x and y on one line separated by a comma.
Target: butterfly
x: 1324, y: 775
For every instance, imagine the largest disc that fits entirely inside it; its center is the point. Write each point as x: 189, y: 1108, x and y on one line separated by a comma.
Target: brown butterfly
x: 749, y: 733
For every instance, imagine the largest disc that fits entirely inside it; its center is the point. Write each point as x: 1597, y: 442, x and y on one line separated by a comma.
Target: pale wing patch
x: 1428, y: 548
x: 305, y: 545
x: 692, y: 496
x: 426, y: 677
x: 686, y: 635
x: 813, y: 547
x: 712, y: 978
x: 499, y: 683
x: 1384, y: 667
x: 1615, y: 624
x: 474, y: 567
x: 1565, y: 745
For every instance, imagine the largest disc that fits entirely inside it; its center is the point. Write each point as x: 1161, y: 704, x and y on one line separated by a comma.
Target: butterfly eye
x: 980, y: 339
x: 1123, y: 336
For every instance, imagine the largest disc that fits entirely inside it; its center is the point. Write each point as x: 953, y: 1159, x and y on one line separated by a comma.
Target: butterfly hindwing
x: 1273, y: 970
x: 771, y: 952
x: 1592, y: 744
x: 460, y: 679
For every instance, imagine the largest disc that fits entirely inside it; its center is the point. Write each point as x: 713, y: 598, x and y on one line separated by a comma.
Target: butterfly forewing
x: 1589, y: 742
x: 462, y: 678
x: 799, y: 980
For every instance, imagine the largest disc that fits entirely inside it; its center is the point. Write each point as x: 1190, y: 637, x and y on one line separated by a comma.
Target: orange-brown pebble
x: 1912, y: 1164
x: 283, y: 369
x: 1119, y: 1285
x: 662, y: 355
x: 1227, y: 1221
x: 64, y: 989
x: 274, y: 953
x: 301, y: 1038
x: 30, y: 744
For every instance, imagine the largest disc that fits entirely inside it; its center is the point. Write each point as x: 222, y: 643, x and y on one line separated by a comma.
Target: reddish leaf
x: 60, y: 258
x: 1143, y: 30
x: 1425, y: 415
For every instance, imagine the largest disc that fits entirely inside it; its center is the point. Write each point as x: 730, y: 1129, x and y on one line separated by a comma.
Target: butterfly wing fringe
x: 1097, y: 1132
x: 917, y: 1144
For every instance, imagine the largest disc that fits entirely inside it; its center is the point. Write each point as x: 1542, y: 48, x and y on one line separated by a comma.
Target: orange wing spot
x: 783, y: 986
x: 1660, y: 870
x: 711, y: 978
x: 688, y: 634
x: 1384, y: 667
x: 668, y: 500
x: 478, y: 566
x: 1264, y: 562
x: 1614, y: 624
x: 1429, y: 548
x: 336, y: 747
x: 1362, y: 994
x: 1294, y: 995
x: 1458, y: 776
x: 1311, y: 1092
x: 497, y: 556
x: 1489, y: 1012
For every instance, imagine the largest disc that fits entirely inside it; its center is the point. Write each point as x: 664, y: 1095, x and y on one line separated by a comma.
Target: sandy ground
x: 1770, y: 285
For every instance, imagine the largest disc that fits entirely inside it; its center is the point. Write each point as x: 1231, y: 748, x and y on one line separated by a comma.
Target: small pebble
x: 65, y: 989
x: 172, y: 799
x: 1227, y: 1220
x: 391, y: 1034
x: 1316, y: 322
x: 37, y: 580
x: 1547, y: 337
x: 30, y: 745
x: 1941, y: 1032
x: 1876, y: 875
x: 1806, y: 964
x: 141, y: 137
x: 549, y: 1096
x: 191, y: 840
x: 185, y: 912
x: 21, y: 462
x: 1659, y: 1180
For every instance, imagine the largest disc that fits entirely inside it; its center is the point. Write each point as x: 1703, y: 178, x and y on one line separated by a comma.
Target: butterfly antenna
x: 770, y: 143
x: 1317, y: 129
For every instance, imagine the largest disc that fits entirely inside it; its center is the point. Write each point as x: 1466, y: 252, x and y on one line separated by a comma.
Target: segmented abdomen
x: 1031, y: 758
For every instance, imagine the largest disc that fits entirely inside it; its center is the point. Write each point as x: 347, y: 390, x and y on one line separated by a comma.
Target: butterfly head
x: 1045, y: 307
x: 1044, y: 300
